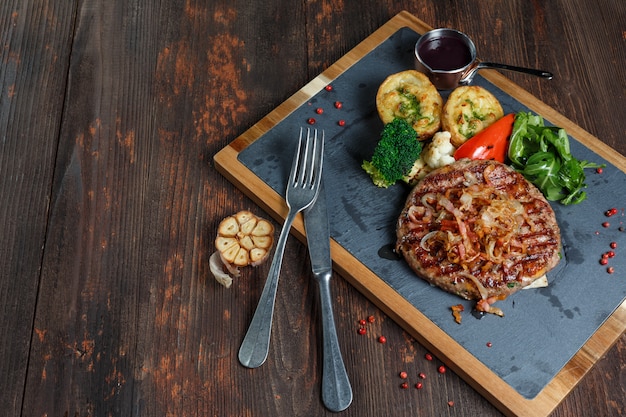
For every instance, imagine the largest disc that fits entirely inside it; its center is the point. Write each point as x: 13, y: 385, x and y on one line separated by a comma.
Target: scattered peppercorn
x: 610, y: 270
x: 382, y: 339
x: 451, y: 403
x: 311, y: 121
x: 599, y: 170
x: 489, y: 344
x: 403, y: 375
x: 341, y: 122
x: 404, y: 385
x: 329, y: 87
x: 319, y: 110
x: 441, y: 369
x: 606, y: 224
x: 422, y: 375
x: 604, y: 261
x: 428, y: 357
x: 419, y: 385
x: 610, y: 254
x: 613, y: 245
x: 610, y: 212
x: 362, y: 322
x: 371, y: 319
x: 338, y: 104
x: 362, y: 331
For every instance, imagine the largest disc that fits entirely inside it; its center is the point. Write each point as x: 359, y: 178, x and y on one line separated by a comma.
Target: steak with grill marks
x: 478, y: 229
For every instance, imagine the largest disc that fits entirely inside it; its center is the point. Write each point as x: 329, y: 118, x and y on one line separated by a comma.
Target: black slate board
x: 542, y: 328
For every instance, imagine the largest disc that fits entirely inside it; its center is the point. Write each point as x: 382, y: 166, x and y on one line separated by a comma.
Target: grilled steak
x: 478, y: 229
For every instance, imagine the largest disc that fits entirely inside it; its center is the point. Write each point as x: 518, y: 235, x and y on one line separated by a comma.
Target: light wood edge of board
x: 496, y: 390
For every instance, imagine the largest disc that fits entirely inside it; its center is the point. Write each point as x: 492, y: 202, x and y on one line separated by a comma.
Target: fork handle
x: 336, y: 389
x: 255, y: 346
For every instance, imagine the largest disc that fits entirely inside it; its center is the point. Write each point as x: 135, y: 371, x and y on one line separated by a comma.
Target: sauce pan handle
x: 471, y: 72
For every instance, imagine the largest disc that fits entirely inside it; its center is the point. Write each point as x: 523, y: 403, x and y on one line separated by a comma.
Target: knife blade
x: 336, y: 389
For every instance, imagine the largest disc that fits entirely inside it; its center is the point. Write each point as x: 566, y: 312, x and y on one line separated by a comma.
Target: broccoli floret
x: 394, y: 155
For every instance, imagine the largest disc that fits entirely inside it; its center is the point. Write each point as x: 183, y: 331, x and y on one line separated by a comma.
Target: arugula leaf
x: 542, y: 154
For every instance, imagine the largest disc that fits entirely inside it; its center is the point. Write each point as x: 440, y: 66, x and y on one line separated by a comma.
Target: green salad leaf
x: 542, y: 154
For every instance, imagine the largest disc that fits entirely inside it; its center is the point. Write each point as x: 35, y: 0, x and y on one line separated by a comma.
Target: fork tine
x: 304, y: 178
x: 317, y: 160
x: 295, y: 165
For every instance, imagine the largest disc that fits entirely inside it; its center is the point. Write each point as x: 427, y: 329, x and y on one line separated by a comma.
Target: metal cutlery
x: 302, y: 190
x: 336, y: 389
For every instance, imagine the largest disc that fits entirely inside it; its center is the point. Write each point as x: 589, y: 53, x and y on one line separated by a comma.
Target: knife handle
x: 336, y: 389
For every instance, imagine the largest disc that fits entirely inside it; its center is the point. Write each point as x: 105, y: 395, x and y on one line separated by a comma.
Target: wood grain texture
x: 33, y: 76
x: 110, y: 114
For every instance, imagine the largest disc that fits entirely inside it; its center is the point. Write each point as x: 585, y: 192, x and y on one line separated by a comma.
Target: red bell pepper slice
x: 490, y: 143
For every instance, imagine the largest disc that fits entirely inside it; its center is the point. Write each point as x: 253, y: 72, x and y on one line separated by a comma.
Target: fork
x: 302, y: 190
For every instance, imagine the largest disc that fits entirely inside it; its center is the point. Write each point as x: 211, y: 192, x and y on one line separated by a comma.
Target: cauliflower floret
x: 439, y: 152
x: 436, y: 154
x: 418, y: 171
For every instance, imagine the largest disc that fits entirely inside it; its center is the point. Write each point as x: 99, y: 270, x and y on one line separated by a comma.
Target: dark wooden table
x: 110, y: 114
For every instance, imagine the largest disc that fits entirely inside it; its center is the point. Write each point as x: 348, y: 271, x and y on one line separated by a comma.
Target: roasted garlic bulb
x: 242, y: 239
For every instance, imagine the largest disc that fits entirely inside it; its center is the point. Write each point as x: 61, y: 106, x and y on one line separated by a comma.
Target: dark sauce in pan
x: 445, y: 53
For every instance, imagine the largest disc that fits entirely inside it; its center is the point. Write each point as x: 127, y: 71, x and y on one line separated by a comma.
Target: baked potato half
x: 410, y: 95
x: 468, y: 110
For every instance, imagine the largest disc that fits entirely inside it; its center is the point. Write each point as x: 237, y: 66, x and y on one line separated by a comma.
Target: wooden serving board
x: 564, y: 331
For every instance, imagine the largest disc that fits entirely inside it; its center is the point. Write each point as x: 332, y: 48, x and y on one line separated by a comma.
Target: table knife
x: 336, y: 389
